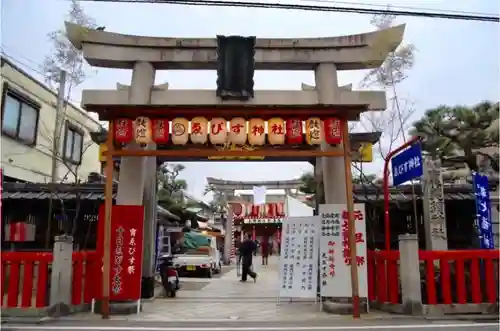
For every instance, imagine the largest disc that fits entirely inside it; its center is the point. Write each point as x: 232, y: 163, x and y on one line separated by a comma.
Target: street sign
x: 483, y: 211
x: 407, y: 165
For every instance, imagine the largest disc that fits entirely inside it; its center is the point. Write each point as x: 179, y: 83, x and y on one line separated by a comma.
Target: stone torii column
x: 137, y: 177
x: 332, y: 168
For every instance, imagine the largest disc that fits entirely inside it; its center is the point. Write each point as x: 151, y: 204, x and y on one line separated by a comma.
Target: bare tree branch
x: 65, y: 56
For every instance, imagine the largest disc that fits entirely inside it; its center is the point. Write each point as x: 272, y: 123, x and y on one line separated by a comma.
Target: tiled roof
x: 96, y: 192
x: 32, y: 191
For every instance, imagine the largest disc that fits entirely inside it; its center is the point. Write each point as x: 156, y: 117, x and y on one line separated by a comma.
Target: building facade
x: 28, y: 109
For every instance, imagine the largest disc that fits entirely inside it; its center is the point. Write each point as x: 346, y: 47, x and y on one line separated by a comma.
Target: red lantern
x: 333, y: 131
x: 123, y: 130
x: 272, y: 210
x: 237, y: 210
x: 255, y: 211
x: 160, y: 131
x: 280, y: 209
x: 294, y: 134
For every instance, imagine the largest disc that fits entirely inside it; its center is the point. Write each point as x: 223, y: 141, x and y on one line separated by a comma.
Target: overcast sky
x: 457, y: 61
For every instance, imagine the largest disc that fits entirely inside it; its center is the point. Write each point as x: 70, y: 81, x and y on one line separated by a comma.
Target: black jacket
x: 247, y: 248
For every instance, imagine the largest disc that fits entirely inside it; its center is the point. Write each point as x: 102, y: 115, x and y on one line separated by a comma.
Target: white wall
x: 34, y: 163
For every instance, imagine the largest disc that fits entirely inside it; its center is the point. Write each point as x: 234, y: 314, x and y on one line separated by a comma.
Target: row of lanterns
x: 252, y: 211
x: 200, y: 130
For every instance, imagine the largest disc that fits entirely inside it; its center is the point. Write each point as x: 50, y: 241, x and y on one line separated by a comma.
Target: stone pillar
x: 409, y: 271
x: 332, y: 168
x: 434, y: 206
x: 61, y: 276
x: 228, y: 238
x: 136, y: 171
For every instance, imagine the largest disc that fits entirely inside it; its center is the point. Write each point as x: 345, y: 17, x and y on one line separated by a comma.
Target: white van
x: 200, y: 263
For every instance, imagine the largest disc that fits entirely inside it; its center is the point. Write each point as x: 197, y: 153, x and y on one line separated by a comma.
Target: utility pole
x: 58, y: 124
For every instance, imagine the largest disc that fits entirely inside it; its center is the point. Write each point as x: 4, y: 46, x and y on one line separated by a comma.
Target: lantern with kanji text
x: 333, y: 131
x: 280, y: 209
x: 276, y: 131
x: 199, y: 130
x: 180, y: 131
x: 257, y: 134
x: 160, y: 131
x: 313, y: 131
x: 255, y: 211
x: 142, y: 130
x: 238, y: 131
x: 123, y: 130
x: 218, y: 131
x: 294, y: 132
x: 248, y: 210
x: 271, y: 210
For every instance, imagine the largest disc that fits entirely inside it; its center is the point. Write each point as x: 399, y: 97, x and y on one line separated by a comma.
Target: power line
x: 359, y: 10
x: 388, y: 6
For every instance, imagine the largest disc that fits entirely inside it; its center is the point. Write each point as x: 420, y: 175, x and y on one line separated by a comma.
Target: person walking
x: 247, y: 248
x: 264, y: 249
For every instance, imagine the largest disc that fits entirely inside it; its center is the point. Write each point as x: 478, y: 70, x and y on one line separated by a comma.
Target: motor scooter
x: 169, y: 276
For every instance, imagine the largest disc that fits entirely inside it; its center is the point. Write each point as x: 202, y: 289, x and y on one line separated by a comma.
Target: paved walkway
x: 225, y: 298
x: 229, y: 287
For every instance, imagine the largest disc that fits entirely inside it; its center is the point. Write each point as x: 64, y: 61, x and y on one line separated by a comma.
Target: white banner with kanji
x: 334, y: 256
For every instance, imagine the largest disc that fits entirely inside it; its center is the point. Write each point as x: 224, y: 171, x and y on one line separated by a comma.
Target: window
x: 19, y: 117
x: 73, y: 144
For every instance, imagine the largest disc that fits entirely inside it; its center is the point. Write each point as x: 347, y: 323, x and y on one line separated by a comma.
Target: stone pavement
x: 225, y: 298
x: 229, y: 287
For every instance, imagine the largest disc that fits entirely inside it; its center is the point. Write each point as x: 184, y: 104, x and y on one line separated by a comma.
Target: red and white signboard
x: 127, y: 230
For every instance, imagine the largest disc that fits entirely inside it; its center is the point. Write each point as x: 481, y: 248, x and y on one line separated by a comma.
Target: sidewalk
x: 229, y: 287
x: 227, y: 298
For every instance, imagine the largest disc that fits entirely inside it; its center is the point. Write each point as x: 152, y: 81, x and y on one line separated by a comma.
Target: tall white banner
x: 334, y: 256
x: 299, y: 257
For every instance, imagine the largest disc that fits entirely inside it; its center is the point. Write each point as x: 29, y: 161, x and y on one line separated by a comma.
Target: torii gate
x: 326, y: 102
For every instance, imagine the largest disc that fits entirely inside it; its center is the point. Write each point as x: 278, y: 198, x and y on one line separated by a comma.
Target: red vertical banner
x: 127, y: 231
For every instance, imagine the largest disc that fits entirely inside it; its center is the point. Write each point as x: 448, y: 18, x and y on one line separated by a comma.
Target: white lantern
x: 180, y: 131
x: 276, y: 131
x: 313, y: 131
x: 238, y: 131
x: 199, y: 130
x: 142, y: 130
x: 256, y: 131
x: 218, y: 131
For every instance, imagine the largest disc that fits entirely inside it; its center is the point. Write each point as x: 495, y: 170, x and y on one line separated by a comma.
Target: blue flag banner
x: 407, y: 165
x: 483, y: 211
x: 159, y: 234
